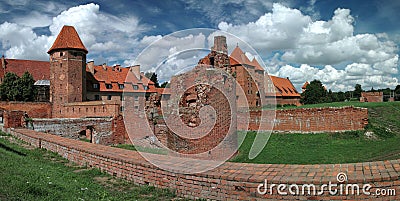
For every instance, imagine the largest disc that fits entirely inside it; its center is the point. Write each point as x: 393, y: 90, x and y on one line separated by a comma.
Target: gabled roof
x: 284, y: 87
x: 40, y: 70
x: 257, y: 65
x: 119, y: 75
x: 305, y: 85
x: 238, y: 57
x: 68, y: 38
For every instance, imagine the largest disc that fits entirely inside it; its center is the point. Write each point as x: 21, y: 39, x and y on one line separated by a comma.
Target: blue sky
x: 340, y: 42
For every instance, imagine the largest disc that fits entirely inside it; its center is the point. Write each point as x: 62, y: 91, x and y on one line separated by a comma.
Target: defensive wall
x: 34, y: 109
x: 230, y: 181
x: 306, y: 120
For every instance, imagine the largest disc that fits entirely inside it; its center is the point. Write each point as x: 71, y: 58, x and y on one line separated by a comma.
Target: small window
x: 145, y: 87
x: 61, y: 54
x: 136, y: 107
x: 96, y: 97
x: 135, y: 87
x: 120, y: 98
x: 95, y: 86
x: 121, y: 86
x: 121, y: 108
x: 109, y: 86
x: 136, y: 98
x: 109, y: 97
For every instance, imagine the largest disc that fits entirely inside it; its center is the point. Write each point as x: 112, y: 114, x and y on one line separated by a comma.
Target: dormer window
x: 108, y: 86
x: 135, y: 87
x: 121, y: 86
x: 145, y: 87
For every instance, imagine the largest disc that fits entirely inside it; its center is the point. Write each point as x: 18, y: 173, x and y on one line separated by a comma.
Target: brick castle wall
x: 204, y: 132
x: 89, y: 109
x: 230, y: 181
x: 371, y: 97
x: 34, y: 109
x: 99, y: 130
x: 309, y: 120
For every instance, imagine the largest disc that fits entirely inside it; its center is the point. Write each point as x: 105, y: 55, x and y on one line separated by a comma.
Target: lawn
x: 36, y: 174
x: 345, y: 147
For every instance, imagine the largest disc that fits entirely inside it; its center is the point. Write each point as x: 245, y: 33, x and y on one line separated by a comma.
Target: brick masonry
x: 306, y: 120
x: 34, y: 109
x: 230, y: 181
x: 371, y: 97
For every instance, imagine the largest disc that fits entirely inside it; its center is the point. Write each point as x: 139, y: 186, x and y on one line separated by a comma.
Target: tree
x: 341, y: 96
x: 27, y: 88
x: 165, y: 84
x: 15, y: 88
x: 314, y: 93
x: 153, y: 77
x: 397, y: 89
x: 8, y: 89
x: 357, y: 91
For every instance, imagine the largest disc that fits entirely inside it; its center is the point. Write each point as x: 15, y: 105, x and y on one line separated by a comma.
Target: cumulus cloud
x: 296, y: 45
x: 104, y: 35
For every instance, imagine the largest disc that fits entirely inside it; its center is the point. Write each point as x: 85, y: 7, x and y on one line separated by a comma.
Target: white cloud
x: 341, y: 58
x: 104, y: 35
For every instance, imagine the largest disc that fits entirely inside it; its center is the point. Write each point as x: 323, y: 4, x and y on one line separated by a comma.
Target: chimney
x: 116, y: 67
x: 104, y: 66
x: 136, y: 71
x: 220, y: 45
x: 90, y: 66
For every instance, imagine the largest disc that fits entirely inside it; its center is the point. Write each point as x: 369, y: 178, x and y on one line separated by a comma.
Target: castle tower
x: 220, y: 45
x: 67, y: 70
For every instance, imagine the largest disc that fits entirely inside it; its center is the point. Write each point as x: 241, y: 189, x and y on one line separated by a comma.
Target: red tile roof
x: 163, y: 91
x: 238, y: 57
x: 40, y: 70
x: 284, y: 87
x: 305, y: 85
x: 257, y: 65
x: 68, y: 38
x: 120, y: 75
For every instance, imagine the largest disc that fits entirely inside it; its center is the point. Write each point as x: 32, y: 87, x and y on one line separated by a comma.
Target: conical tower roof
x: 68, y: 38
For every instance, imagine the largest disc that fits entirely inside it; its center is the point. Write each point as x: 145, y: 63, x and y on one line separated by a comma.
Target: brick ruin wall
x: 306, y: 120
x: 371, y: 97
x: 229, y: 181
x: 97, y: 130
x: 209, y: 134
x: 34, y: 109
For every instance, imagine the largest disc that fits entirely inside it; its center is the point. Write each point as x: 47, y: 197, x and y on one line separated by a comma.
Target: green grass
x: 331, y: 148
x: 41, y: 175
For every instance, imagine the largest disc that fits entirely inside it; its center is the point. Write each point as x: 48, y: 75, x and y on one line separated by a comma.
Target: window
x: 120, y: 98
x: 109, y: 97
x: 95, y: 86
x: 108, y: 86
x: 121, y: 108
x: 121, y: 86
x: 145, y: 87
x: 61, y: 54
x: 96, y: 97
x: 135, y: 87
x: 136, y: 98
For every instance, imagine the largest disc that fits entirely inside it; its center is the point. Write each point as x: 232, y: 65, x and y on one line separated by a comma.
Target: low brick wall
x: 307, y: 120
x: 104, y: 130
x: 34, y: 109
x: 230, y: 181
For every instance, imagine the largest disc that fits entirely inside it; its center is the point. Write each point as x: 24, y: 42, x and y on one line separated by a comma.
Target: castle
x: 80, y: 89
